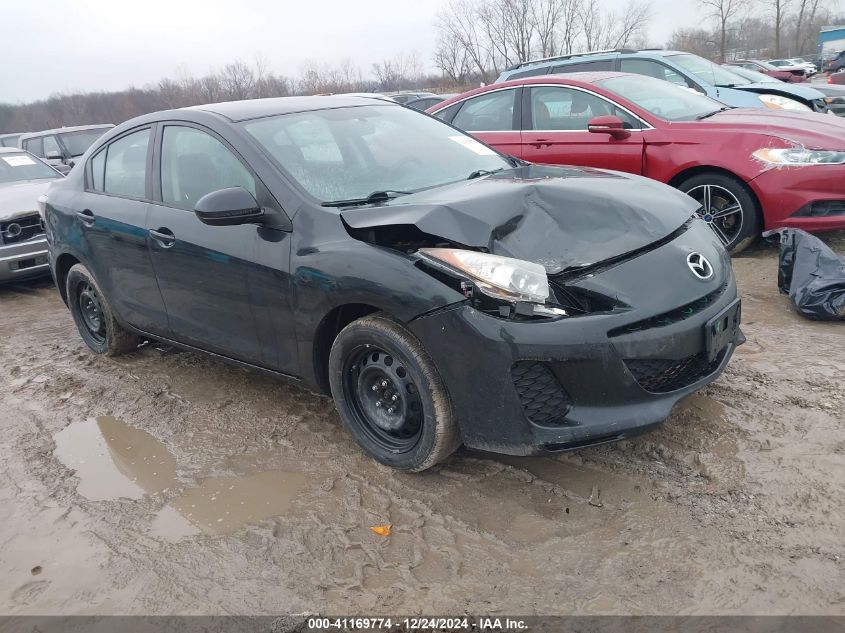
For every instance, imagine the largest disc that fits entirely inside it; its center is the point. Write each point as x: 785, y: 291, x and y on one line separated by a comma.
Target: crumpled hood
x: 560, y: 217
x: 21, y: 197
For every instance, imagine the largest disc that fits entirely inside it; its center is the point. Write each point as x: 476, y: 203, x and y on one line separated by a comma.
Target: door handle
x: 540, y: 142
x: 87, y: 217
x: 163, y: 236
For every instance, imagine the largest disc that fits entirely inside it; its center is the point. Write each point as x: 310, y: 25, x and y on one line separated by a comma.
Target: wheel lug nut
x: 378, y: 403
x: 375, y: 387
x: 390, y: 410
x: 394, y: 397
x: 384, y: 383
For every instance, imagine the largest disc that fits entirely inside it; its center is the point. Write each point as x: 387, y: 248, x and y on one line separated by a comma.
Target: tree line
x: 475, y: 41
x: 758, y: 29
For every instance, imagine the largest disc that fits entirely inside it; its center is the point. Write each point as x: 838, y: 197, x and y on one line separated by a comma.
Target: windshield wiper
x: 726, y: 85
x: 709, y: 114
x: 375, y: 196
x: 483, y: 172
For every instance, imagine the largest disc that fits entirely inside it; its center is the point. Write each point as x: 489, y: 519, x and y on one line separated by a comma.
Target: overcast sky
x: 55, y: 46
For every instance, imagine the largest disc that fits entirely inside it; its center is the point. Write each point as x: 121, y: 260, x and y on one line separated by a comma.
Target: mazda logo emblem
x: 699, y: 265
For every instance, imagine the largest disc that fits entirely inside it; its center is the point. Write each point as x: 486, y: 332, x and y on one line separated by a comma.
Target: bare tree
x: 237, y: 80
x: 723, y: 11
x: 458, y: 21
x: 778, y: 9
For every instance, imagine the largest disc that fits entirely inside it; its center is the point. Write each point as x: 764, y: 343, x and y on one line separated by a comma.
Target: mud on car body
x: 441, y: 292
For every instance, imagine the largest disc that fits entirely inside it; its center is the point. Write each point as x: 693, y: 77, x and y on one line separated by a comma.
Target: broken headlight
x: 800, y: 156
x: 500, y: 277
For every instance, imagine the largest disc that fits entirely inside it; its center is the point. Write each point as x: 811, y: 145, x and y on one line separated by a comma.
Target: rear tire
x: 728, y: 207
x: 390, y: 396
x: 94, y: 317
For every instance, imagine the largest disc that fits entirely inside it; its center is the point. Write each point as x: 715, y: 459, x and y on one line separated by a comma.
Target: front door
x: 225, y: 287
x: 555, y: 131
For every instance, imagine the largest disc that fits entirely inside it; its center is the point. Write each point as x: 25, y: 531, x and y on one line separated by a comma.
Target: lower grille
x: 541, y: 395
x: 20, y: 229
x: 659, y: 375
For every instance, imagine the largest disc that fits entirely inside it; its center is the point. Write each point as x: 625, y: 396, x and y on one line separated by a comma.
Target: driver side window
x: 566, y: 109
x: 654, y: 69
x: 194, y: 163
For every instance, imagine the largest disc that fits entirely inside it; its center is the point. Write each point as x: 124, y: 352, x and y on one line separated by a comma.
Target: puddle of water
x: 114, y: 460
x: 221, y: 505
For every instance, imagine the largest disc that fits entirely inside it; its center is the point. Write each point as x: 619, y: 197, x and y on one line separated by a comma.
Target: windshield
x: 662, y: 98
x: 707, y: 71
x: 77, y: 143
x: 20, y: 166
x: 349, y: 153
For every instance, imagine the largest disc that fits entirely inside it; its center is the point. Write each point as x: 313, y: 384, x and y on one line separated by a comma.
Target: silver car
x: 23, y: 246
x: 63, y: 146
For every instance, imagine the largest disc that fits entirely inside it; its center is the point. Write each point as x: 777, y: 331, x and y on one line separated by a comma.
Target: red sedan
x: 751, y: 169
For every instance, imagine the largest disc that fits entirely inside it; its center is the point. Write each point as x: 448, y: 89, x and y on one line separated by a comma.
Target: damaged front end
x: 583, y: 321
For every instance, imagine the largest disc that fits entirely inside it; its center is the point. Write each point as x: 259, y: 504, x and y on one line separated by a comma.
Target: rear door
x: 226, y: 288
x: 492, y: 117
x: 555, y: 130
x: 111, y: 216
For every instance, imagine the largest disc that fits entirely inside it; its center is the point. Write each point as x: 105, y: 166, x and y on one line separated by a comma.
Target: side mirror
x: 608, y: 124
x: 228, y: 207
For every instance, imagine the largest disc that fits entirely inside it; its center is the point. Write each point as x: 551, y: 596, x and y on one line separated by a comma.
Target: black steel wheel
x: 93, y: 315
x: 727, y: 206
x: 390, y: 396
x: 91, y: 310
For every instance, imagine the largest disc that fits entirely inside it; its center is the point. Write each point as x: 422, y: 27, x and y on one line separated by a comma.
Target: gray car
x: 62, y: 146
x: 23, y: 247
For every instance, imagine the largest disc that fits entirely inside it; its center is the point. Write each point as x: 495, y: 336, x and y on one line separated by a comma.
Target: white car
x: 791, y: 66
x: 23, y: 245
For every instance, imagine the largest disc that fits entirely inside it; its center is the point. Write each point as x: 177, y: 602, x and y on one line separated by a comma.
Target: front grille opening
x: 20, y: 229
x: 670, y: 317
x: 543, y: 399
x: 580, y: 301
x: 659, y: 375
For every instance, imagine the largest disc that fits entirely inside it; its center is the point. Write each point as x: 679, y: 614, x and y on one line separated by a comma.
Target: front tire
x: 727, y: 206
x: 390, y: 396
x: 94, y: 317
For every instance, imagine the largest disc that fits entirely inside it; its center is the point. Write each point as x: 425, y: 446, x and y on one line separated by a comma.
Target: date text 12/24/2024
x: 462, y: 623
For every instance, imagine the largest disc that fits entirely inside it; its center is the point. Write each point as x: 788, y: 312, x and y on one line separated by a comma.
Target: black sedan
x: 441, y: 292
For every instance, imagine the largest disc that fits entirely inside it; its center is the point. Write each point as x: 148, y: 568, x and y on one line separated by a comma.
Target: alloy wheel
x: 720, y: 209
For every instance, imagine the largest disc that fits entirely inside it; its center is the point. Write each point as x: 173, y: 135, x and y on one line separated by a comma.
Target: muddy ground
x: 163, y: 483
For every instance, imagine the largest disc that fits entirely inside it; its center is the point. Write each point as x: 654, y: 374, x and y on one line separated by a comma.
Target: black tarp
x: 811, y: 274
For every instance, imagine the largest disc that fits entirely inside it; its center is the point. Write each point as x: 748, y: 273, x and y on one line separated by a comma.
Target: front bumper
x: 604, y: 363
x: 810, y: 198
x: 24, y: 260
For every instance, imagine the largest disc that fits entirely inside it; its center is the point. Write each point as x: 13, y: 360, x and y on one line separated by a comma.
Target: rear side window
x: 194, y: 163
x: 653, y: 69
x: 488, y: 112
x: 34, y: 146
x: 125, y: 171
x: 584, y: 67
x: 534, y: 72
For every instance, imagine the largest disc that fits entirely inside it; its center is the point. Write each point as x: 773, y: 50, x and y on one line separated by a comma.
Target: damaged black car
x: 439, y: 291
